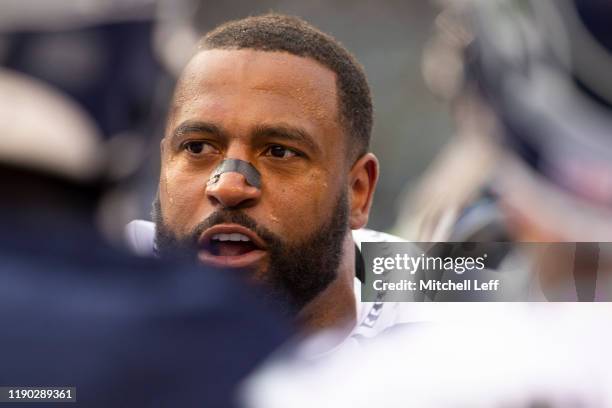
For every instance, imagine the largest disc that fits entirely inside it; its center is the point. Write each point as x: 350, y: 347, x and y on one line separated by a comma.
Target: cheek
x: 181, y: 196
x: 300, y: 208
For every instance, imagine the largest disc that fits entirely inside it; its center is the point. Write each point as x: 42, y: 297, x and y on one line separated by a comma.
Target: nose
x: 232, y: 190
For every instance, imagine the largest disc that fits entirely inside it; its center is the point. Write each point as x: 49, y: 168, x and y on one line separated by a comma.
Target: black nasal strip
x: 250, y: 173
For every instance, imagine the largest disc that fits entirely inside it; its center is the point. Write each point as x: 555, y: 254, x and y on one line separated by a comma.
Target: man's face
x: 278, y: 112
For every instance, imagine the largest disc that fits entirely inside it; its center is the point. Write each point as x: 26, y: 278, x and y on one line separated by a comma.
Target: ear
x: 362, y: 183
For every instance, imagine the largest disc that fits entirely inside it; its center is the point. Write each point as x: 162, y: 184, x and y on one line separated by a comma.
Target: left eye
x: 197, y: 147
x: 280, y: 152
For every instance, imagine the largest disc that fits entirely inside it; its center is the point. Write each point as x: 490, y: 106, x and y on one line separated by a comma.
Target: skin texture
x: 280, y: 113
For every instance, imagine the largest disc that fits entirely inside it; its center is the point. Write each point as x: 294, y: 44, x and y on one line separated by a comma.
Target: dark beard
x: 297, y: 272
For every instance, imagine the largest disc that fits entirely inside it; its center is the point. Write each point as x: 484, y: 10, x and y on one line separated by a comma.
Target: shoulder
x: 368, y: 235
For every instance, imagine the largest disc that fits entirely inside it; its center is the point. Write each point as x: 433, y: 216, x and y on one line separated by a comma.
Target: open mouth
x: 230, y: 245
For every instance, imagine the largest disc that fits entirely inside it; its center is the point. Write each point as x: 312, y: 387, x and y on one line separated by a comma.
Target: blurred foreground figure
x: 79, y: 313
x: 542, y: 69
x: 529, y: 90
x: 528, y: 85
x: 546, y: 358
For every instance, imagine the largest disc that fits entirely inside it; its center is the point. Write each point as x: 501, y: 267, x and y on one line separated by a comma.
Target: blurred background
x: 118, y: 60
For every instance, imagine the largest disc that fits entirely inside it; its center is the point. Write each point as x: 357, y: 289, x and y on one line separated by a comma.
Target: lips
x: 231, y: 246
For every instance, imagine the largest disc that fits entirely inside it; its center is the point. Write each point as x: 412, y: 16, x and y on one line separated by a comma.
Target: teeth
x: 230, y: 237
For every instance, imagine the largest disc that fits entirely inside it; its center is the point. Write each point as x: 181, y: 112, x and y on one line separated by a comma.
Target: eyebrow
x: 190, y: 126
x: 280, y: 131
x: 287, y: 132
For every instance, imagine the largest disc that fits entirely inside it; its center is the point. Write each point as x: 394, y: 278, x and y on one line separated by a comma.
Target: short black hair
x: 277, y: 32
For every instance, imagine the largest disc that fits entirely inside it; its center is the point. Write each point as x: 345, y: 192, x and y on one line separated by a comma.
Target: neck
x: 334, y: 308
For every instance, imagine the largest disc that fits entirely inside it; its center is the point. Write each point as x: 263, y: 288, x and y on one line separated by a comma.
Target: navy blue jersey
x: 125, y: 331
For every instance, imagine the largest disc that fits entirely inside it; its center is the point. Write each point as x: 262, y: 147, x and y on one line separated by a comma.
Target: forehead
x: 259, y: 84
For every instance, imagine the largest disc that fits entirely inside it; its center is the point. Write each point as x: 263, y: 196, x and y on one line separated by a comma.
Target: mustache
x: 235, y: 217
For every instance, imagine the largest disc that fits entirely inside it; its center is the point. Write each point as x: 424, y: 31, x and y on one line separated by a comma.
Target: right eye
x: 198, y: 147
